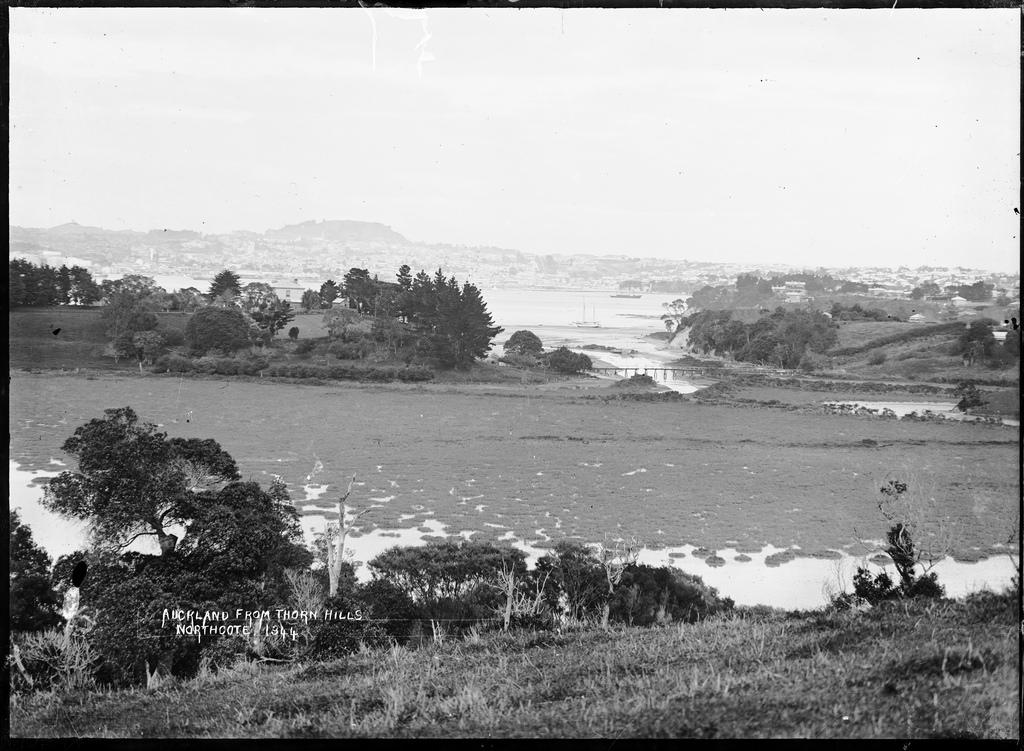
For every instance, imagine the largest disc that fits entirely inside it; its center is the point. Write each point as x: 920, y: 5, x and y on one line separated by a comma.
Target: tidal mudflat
x: 546, y: 464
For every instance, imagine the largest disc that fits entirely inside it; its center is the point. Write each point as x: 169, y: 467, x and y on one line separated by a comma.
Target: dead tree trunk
x: 615, y: 560
x: 336, y: 548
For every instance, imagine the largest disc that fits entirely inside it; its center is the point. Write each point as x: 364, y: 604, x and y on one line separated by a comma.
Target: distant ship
x: 631, y: 296
x: 585, y: 324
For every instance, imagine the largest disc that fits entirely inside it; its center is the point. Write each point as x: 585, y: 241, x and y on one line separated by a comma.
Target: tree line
x: 31, y: 285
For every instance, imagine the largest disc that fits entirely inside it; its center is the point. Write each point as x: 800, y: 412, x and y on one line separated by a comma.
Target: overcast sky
x: 807, y: 137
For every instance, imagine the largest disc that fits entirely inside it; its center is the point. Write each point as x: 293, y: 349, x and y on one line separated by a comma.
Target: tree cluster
x: 224, y: 543
x: 977, y: 344
x: 780, y: 338
x: 44, y: 285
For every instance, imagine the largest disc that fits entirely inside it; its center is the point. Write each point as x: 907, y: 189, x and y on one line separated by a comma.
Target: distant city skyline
x: 808, y: 138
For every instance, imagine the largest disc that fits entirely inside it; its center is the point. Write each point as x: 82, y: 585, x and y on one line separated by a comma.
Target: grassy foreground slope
x: 912, y: 669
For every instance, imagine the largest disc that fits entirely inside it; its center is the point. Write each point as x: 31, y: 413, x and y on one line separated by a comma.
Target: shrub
x: 564, y: 360
x: 53, y: 659
x: 334, y: 639
x: 307, y: 346
x: 639, y: 379
x: 876, y: 358
x: 519, y: 361
x: 223, y: 328
x: 174, y: 338
x: 345, y: 350
x: 970, y: 396
x: 293, y: 333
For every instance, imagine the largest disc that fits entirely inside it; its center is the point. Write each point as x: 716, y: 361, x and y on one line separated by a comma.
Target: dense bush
x: 260, y: 367
x: 308, y: 346
x: 564, y: 360
x: 876, y: 358
x: 334, y: 639
x: 350, y: 349
x: 451, y: 581
x: 224, y: 328
x: 173, y: 337
x: 519, y: 361
x: 648, y: 595
x: 210, y: 365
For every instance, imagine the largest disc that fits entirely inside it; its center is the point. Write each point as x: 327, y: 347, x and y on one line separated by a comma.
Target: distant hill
x: 338, y: 230
x: 74, y: 228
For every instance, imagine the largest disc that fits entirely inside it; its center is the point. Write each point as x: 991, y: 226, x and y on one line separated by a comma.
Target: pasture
x: 544, y: 463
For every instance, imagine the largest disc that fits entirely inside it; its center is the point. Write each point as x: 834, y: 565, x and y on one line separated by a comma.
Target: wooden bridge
x: 691, y: 372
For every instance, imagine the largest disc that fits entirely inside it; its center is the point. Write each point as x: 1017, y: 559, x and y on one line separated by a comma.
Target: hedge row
x: 254, y: 367
x: 924, y: 331
x: 209, y: 365
x: 349, y: 373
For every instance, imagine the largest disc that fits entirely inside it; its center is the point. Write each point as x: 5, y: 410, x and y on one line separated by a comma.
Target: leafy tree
x: 576, y: 575
x: 978, y: 292
x: 386, y: 300
x: 524, y: 343
x: 926, y: 289
x: 148, y: 345
x: 188, y: 299
x: 336, y: 319
x: 225, y: 286
x: 360, y: 288
x: 33, y: 603
x: 564, y: 360
x: 226, y: 329
x: 84, y: 289
x: 239, y: 541
x: 130, y: 308
x: 311, y: 300
x: 452, y: 580
x: 711, y: 298
x: 977, y: 341
x: 131, y: 481
x: 256, y: 296
x: 273, y: 319
x: 329, y: 292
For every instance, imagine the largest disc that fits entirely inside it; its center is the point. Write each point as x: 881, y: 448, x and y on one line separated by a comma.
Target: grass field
x: 68, y: 338
x: 540, y: 458
x: 912, y: 669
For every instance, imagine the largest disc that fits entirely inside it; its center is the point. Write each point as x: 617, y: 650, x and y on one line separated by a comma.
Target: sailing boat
x: 585, y: 324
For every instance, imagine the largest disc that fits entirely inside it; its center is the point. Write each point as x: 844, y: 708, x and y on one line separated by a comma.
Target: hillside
x: 338, y: 230
x: 906, y: 669
x: 872, y: 349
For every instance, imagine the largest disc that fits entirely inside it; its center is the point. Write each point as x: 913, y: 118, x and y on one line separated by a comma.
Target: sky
x: 817, y: 137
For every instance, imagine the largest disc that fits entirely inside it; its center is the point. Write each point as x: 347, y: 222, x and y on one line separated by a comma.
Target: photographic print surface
x: 506, y: 372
